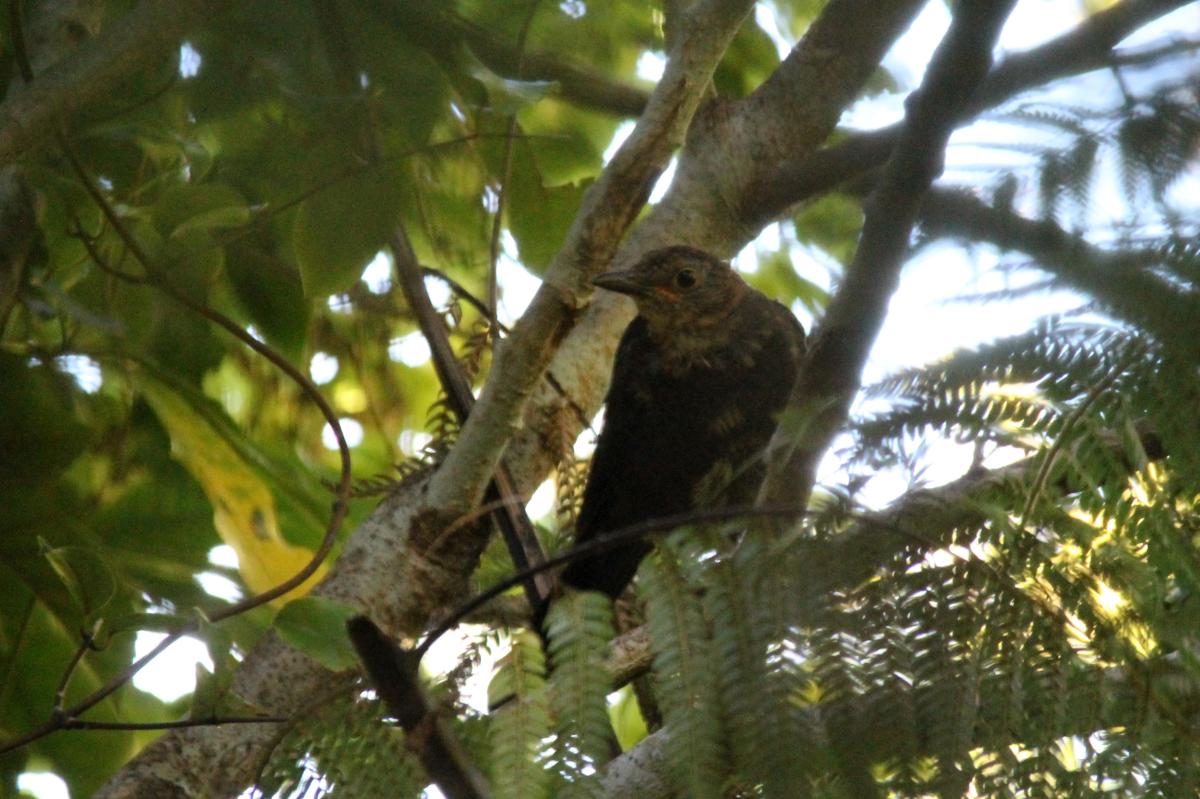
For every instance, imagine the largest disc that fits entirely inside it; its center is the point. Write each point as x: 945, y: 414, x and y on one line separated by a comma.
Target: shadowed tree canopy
x: 296, y: 316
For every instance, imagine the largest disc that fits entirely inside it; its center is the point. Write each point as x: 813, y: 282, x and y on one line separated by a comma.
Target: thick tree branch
x: 734, y: 144
x: 138, y: 41
x: 830, y: 374
x: 1089, y: 46
x: 712, y: 178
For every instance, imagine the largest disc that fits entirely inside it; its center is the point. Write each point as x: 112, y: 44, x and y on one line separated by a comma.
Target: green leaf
x: 207, y: 206
x: 339, y: 229
x: 194, y: 260
x: 87, y: 577
x: 212, y: 687
x: 627, y: 720
x: 43, y: 428
x: 507, y: 96
x: 269, y: 291
x: 579, y: 626
x: 521, y: 725
x: 317, y: 627
x: 539, y: 218
x: 777, y: 277
x: 684, y: 665
x: 832, y: 223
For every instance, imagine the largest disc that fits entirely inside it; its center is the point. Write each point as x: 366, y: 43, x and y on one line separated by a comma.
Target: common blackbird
x: 699, y: 378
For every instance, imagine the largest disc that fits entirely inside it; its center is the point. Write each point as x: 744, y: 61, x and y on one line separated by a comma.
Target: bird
x: 699, y: 379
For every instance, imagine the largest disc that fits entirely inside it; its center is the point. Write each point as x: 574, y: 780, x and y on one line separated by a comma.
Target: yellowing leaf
x: 243, y: 506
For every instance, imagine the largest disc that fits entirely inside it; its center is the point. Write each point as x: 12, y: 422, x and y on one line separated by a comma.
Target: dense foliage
x: 1026, y: 630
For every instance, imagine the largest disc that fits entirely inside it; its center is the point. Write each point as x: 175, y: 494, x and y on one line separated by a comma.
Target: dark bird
x: 699, y: 379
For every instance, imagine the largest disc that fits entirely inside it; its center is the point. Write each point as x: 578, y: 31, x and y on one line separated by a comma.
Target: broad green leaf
x: 539, y: 218
x: 193, y: 260
x: 832, y: 223
x: 36, y: 646
x: 750, y: 59
x: 43, y: 430
x: 339, y: 229
x: 269, y: 290
x: 317, y: 627
x: 777, y: 278
x: 212, y: 687
x: 206, y: 206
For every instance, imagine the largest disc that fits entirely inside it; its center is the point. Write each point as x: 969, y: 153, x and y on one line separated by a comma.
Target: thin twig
x: 212, y: 721
x: 86, y: 644
x: 493, y: 296
x: 463, y: 293
x: 609, y: 540
x: 396, y: 676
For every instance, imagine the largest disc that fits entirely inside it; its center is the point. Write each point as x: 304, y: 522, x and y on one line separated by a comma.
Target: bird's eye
x: 685, y: 278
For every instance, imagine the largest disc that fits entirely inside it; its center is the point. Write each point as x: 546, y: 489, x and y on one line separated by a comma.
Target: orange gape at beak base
x: 666, y: 293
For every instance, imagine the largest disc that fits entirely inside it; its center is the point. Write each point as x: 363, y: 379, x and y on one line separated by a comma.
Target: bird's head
x: 678, y: 288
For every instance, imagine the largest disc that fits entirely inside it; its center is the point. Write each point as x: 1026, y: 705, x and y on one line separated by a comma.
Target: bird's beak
x: 622, y: 282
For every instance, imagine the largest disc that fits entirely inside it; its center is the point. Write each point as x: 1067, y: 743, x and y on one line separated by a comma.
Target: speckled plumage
x: 699, y: 378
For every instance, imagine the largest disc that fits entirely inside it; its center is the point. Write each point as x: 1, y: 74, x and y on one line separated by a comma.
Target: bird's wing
x: 742, y: 408
x: 624, y: 425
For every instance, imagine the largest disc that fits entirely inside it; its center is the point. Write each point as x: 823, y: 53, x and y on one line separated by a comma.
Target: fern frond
x: 684, y: 676
x: 521, y: 725
x: 579, y: 627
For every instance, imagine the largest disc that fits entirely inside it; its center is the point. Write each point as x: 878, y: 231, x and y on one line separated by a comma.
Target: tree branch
x: 1087, y: 47
x: 832, y: 367
x: 1121, y: 280
x: 715, y: 172
x: 397, y: 679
